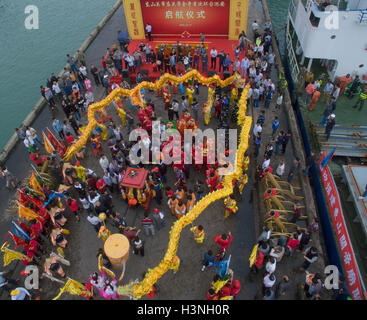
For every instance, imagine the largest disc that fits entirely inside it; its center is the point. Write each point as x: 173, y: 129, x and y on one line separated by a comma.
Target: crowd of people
x: 86, y: 193
x: 328, y: 92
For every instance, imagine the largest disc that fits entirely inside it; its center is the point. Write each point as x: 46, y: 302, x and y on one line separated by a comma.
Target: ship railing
x: 341, y: 5
x: 293, y: 9
x: 293, y: 64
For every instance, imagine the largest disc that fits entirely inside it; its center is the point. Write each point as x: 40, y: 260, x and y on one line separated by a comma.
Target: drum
x: 116, y: 248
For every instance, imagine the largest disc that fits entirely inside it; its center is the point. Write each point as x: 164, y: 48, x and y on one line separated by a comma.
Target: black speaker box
x: 125, y: 73
x: 226, y: 74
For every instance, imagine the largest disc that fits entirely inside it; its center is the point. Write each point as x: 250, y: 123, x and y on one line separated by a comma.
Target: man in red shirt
x: 91, y: 182
x: 223, y: 241
x: 101, y: 185
x: 225, y: 291
x: 235, y: 288
x: 69, y: 138
x: 258, y: 263
x: 130, y: 232
x: 103, y: 63
x: 292, y: 244
x: 74, y: 207
x: 35, y: 157
x: 309, y: 92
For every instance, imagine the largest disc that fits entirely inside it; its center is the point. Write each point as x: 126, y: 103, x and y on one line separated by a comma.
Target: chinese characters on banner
x: 238, y: 18
x: 176, y: 17
x: 134, y: 19
x: 349, y: 261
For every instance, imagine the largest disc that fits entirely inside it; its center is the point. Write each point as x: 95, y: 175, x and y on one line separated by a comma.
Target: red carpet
x: 219, y: 44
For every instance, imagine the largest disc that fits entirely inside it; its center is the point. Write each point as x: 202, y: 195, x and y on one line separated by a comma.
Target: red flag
x: 38, y: 203
x: 23, y: 198
x: 17, y: 241
x: 56, y: 143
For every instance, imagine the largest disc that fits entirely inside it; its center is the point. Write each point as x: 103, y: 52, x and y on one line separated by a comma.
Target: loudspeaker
x: 226, y: 74
x: 125, y: 73
x: 144, y: 72
x: 211, y: 73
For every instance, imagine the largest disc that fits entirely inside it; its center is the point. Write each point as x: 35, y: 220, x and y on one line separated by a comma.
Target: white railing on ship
x: 293, y: 64
x: 293, y: 9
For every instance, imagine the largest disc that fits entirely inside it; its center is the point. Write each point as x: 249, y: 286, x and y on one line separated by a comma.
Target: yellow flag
x: 33, y: 182
x: 73, y: 287
x: 122, y: 115
x: 219, y: 285
x: 80, y: 171
x: 101, y: 267
x: 104, y: 133
x: 48, y: 146
x: 10, y: 255
x: 27, y: 213
x: 253, y: 255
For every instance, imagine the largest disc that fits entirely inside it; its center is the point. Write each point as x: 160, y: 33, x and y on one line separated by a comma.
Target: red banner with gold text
x: 177, y: 17
x: 345, y: 245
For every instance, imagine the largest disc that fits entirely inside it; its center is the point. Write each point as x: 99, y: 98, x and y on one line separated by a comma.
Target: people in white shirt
x: 257, y: 129
x: 271, y: 265
x: 336, y: 93
x: 266, y: 163
x: 19, y: 293
x: 94, y: 220
x: 93, y: 200
x: 56, y: 88
x: 245, y: 64
x: 83, y: 70
x: 104, y: 163
x: 255, y: 26
x: 114, y: 86
x: 90, y: 97
x: 213, y: 53
x: 269, y: 280
x: 279, y: 101
x: 280, y: 169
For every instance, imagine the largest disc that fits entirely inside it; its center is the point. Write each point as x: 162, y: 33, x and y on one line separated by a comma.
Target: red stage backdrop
x: 176, y: 17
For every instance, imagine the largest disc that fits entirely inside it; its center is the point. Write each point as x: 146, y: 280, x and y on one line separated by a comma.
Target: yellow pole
x: 237, y: 18
x: 134, y: 19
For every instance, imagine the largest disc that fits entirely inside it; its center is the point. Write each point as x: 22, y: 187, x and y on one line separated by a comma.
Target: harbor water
x: 28, y: 57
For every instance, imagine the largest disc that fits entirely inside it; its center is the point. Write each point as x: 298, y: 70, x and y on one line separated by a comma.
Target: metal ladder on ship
x: 293, y: 64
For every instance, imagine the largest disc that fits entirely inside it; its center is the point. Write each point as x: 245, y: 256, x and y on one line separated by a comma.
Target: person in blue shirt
x: 257, y: 142
x: 204, y: 62
x: 268, y: 96
x: 275, y: 126
x: 20, y: 133
x: 4, y: 281
x: 225, y: 101
x: 261, y: 118
x: 278, y: 141
x: 226, y: 63
x: 172, y: 63
x: 72, y: 64
x: 139, y: 78
x: 57, y: 125
x: 208, y: 259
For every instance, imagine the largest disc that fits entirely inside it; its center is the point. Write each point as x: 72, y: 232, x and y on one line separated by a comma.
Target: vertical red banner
x: 349, y: 260
x: 176, y: 17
